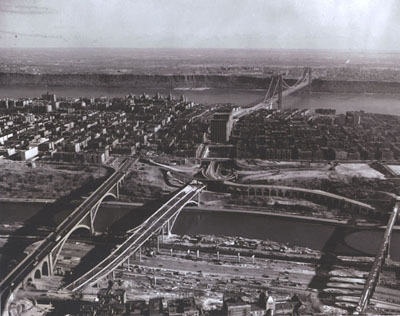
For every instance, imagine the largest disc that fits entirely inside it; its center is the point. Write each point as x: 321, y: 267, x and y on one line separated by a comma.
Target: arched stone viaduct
x: 46, y: 266
x: 317, y: 196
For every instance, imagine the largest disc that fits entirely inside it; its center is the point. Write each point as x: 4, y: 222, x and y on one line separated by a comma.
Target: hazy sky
x: 338, y: 24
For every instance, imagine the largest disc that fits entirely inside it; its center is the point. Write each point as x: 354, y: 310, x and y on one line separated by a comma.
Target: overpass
x: 44, y: 258
x: 212, y: 172
x: 379, y: 262
x: 183, y: 177
x: 277, y: 90
x: 212, y: 175
x: 164, y: 217
x: 202, y: 152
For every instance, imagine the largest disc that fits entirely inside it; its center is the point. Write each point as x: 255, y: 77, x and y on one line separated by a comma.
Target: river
x: 280, y: 229
x: 377, y: 103
x: 305, y: 234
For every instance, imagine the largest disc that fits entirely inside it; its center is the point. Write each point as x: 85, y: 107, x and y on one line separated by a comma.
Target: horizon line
x: 341, y: 50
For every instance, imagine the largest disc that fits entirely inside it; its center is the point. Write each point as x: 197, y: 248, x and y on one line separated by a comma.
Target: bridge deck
x: 379, y: 261
x: 302, y: 83
x: 213, y: 173
x: 147, y: 229
x: 17, y: 276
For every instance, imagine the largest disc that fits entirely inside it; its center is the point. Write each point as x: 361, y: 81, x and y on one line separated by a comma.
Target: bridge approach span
x: 163, y: 217
x: 277, y: 89
x: 379, y: 262
x: 45, y: 256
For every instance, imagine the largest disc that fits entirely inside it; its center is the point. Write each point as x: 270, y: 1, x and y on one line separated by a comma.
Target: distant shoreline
x: 26, y: 200
x: 181, y: 82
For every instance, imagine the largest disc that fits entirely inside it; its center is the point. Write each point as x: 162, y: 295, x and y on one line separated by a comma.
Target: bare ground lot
x: 283, y: 171
x: 144, y: 182
x: 44, y: 180
x: 354, y: 180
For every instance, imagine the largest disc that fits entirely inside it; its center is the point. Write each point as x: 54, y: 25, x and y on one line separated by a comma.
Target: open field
x: 144, y: 182
x: 282, y: 172
x: 44, y: 180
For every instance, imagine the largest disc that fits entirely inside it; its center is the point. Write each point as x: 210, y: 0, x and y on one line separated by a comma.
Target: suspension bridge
x: 278, y: 89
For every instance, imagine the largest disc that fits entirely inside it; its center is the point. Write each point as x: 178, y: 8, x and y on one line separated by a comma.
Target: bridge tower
x: 275, y: 88
x: 280, y: 90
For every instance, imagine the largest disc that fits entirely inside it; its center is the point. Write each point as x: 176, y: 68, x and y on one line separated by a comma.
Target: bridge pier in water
x: 83, y: 216
x: 42, y: 261
x: 160, y: 222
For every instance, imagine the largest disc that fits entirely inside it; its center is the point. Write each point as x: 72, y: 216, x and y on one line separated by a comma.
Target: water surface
x: 342, y: 102
x: 284, y: 230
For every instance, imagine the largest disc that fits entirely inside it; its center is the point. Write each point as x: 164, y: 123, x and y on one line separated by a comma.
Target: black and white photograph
x: 199, y: 157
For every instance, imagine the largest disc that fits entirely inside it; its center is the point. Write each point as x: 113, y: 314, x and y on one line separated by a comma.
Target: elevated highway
x: 379, y: 262
x: 163, y: 217
x: 277, y: 90
x: 44, y: 258
x: 212, y: 173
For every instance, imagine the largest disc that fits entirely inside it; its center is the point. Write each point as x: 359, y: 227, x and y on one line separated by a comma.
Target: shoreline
x: 26, y: 200
x: 317, y: 220
x: 157, y: 88
x: 182, y: 82
x: 205, y: 209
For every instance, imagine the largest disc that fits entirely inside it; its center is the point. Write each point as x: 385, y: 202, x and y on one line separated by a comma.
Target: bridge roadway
x: 144, y: 232
x: 210, y: 172
x: 178, y: 174
x: 213, y: 173
x: 373, y: 276
x: 16, y: 278
x: 267, y: 103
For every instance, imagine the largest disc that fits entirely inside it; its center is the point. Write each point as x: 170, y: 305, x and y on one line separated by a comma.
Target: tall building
x: 221, y: 126
x: 4, y: 104
x: 353, y: 118
x: 49, y: 97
